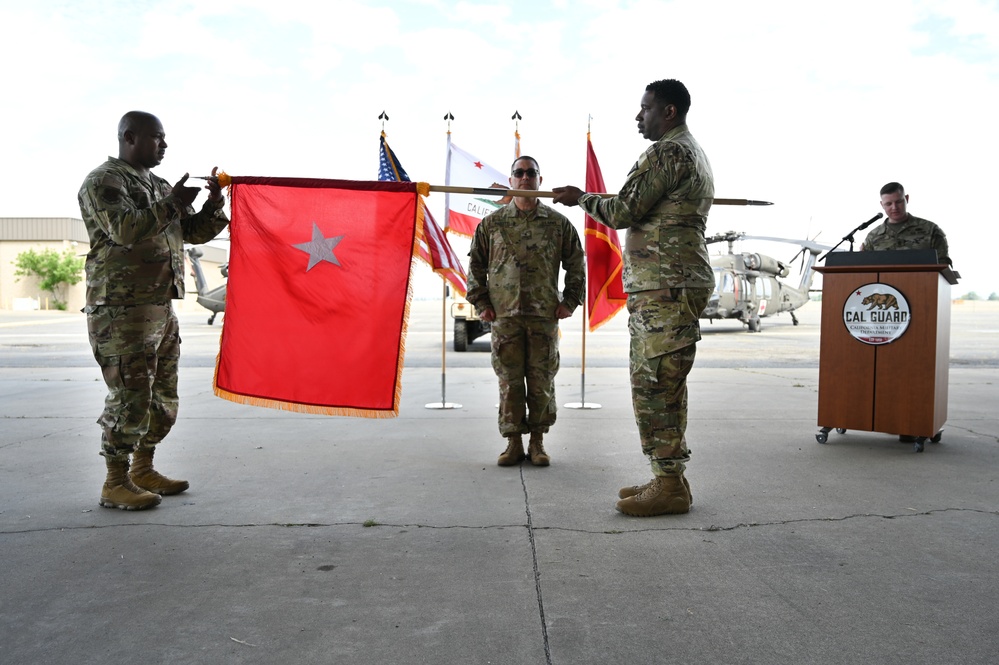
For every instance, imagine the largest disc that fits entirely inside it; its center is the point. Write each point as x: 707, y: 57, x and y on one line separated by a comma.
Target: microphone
x: 870, y: 221
x: 849, y: 236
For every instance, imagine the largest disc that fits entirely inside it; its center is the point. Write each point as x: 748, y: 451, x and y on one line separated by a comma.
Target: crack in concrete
x: 529, y: 526
x: 749, y: 525
x: 285, y: 525
x: 971, y: 431
x: 537, y: 571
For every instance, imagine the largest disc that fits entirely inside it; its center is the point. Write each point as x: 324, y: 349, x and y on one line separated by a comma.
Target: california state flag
x: 465, y: 211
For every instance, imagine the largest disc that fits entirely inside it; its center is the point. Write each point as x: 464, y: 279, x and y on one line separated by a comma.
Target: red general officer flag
x: 605, y: 291
x: 318, y: 294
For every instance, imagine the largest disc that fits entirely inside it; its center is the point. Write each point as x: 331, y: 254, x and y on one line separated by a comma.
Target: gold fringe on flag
x: 304, y: 408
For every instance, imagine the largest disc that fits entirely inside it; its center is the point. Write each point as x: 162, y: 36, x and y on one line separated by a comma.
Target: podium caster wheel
x: 840, y: 430
x: 918, y: 445
x: 821, y: 437
x: 936, y: 437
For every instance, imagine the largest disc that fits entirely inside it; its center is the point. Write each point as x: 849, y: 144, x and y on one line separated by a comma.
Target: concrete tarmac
x: 310, y: 539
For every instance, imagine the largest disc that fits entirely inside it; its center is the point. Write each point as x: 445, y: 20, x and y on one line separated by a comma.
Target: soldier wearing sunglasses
x: 514, y: 264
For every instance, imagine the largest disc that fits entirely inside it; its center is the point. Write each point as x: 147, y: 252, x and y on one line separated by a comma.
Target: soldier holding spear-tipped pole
x: 667, y: 275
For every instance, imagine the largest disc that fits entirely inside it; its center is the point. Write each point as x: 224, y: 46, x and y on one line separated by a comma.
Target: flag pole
x: 516, y: 117
x: 582, y: 403
x: 444, y: 404
x: 496, y: 191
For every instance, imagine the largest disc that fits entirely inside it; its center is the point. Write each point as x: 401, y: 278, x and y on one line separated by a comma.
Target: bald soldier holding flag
x: 138, y: 223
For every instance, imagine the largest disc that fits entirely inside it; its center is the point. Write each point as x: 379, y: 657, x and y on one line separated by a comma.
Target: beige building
x: 19, y: 234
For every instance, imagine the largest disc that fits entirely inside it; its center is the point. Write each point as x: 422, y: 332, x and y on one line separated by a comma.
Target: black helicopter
x: 746, y: 284
x: 211, y: 299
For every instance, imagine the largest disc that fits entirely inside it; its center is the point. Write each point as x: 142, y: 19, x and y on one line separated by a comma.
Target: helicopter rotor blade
x: 730, y: 236
x: 810, y: 245
x: 801, y: 266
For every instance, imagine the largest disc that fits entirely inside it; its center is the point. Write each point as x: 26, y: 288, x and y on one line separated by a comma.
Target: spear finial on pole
x: 516, y: 117
x: 449, y: 118
x: 383, y: 116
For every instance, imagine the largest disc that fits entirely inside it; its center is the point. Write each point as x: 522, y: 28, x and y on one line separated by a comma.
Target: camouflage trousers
x: 525, y: 359
x: 664, y: 333
x: 138, y: 349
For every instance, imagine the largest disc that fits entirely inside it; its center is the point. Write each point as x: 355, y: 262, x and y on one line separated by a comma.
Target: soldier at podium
x: 902, y: 230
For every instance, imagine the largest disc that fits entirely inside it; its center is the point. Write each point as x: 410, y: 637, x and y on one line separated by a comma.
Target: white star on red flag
x: 319, y: 248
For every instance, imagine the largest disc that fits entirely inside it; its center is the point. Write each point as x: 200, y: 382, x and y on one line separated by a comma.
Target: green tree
x: 55, y: 272
x: 994, y: 296
x: 970, y: 295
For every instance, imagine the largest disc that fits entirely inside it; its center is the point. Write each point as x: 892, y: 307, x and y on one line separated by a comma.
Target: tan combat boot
x: 514, y: 453
x: 632, y: 490
x: 536, y: 450
x: 119, y: 491
x: 151, y: 480
x: 664, y: 495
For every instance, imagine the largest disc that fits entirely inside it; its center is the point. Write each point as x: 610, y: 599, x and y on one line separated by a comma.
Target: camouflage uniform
x: 135, y: 267
x: 668, y: 278
x: 513, y: 270
x: 913, y: 233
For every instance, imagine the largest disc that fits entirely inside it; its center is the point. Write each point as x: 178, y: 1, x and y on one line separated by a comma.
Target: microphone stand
x: 849, y: 236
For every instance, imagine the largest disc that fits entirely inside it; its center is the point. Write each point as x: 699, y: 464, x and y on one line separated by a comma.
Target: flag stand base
x: 582, y: 405
x: 442, y: 405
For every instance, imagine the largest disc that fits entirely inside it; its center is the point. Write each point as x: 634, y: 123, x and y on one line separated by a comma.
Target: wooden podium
x: 898, y: 386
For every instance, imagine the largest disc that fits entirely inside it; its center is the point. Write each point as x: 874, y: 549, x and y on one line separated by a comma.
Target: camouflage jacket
x: 913, y: 233
x: 664, y: 206
x: 514, y: 263
x: 137, y: 230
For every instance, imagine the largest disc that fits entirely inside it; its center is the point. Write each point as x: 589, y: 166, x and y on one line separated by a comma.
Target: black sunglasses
x: 530, y: 173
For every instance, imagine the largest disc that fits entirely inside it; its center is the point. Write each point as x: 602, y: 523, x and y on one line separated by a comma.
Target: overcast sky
x: 813, y: 106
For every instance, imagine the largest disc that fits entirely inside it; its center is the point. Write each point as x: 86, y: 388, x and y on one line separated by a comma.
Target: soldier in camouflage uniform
x: 138, y: 224
x: 668, y: 278
x: 902, y: 230
x: 513, y: 282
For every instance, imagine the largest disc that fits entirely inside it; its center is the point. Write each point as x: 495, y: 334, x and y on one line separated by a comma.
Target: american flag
x: 434, y: 247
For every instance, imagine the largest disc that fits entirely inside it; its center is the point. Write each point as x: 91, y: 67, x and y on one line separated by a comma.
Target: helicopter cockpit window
x: 767, y: 289
x: 724, y: 282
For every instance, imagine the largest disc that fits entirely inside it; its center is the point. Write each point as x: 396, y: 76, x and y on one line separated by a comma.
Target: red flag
x: 317, y: 301
x: 605, y: 291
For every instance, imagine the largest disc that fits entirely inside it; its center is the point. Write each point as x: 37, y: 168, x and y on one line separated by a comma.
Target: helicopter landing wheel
x: 211, y: 319
x: 754, y: 324
x: 794, y: 319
